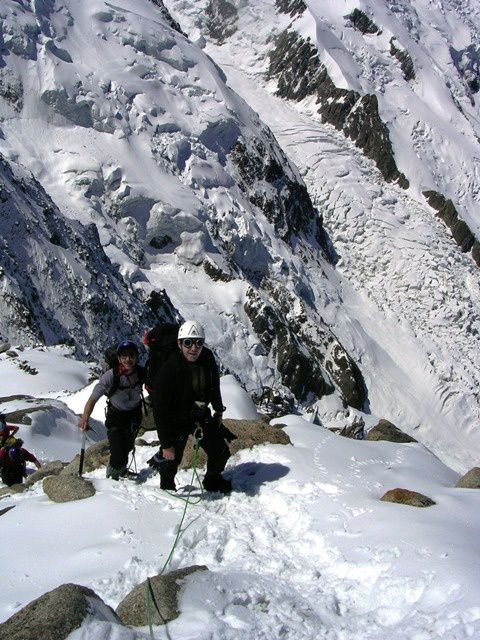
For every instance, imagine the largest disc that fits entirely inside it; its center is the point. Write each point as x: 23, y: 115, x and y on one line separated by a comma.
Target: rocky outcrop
x: 308, y: 356
x: 249, y: 433
x: 291, y: 7
x: 406, y: 62
x: 68, y: 488
x: 221, y: 19
x: 162, y: 599
x: 56, y: 614
x: 459, y: 229
x: 14, y: 488
x: 386, y: 430
x: 471, y: 480
x: 295, y: 64
x: 49, y: 469
x: 299, y: 370
x: 362, y: 22
x: 407, y: 497
x: 284, y: 201
x: 96, y: 456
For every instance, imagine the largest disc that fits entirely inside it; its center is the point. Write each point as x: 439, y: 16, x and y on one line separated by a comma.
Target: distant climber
x: 182, y: 389
x: 122, y: 384
x: 7, y: 432
x: 13, y: 462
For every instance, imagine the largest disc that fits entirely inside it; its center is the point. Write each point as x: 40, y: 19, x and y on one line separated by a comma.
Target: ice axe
x: 82, y: 453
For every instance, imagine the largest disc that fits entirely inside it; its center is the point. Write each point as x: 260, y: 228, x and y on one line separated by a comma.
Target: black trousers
x: 212, y: 442
x: 12, y: 475
x: 122, y: 427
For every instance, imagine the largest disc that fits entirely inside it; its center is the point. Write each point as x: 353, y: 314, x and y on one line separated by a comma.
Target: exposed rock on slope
x: 173, y: 179
x: 56, y: 281
x: 295, y: 64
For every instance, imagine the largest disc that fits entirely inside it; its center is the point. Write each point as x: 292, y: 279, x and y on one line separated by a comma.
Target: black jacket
x: 173, y: 396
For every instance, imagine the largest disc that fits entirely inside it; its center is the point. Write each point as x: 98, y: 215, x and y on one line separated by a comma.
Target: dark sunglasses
x: 189, y: 342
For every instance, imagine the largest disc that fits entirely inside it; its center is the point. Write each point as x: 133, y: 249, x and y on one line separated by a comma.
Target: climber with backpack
x: 122, y: 384
x: 7, y: 432
x: 13, y: 462
x: 183, y: 388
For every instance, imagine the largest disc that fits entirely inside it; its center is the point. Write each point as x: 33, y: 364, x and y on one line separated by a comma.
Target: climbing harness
x: 149, y: 594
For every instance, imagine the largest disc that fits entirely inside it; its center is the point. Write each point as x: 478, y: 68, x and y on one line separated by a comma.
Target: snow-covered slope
x: 302, y: 549
x: 416, y: 318
x: 57, y: 284
x: 129, y: 125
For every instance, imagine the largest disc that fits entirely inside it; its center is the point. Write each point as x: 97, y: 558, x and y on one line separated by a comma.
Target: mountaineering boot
x: 126, y: 473
x: 113, y: 473
x: 167, y: 484
x: 217, y: 483
x: 156, y: 462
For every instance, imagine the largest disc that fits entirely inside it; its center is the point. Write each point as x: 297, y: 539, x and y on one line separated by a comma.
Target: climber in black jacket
x: 183, y: 389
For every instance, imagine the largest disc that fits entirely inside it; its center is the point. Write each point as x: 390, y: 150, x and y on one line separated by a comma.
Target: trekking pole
x: 82, y: 454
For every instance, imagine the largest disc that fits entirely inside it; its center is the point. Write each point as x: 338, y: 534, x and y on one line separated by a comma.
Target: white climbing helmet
x: 191, y: 329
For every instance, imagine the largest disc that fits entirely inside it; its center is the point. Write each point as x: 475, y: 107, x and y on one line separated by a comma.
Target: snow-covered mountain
x: 131, y: 127
x: 317, y: 255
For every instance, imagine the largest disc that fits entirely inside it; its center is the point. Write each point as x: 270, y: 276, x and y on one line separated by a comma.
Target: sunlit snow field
x: 302, y: 549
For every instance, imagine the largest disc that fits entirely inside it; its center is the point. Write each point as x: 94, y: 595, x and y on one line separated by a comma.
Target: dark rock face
x: 460, y: 231
x: 471, y: 480
x: 163, y: 591
x: 66, y: 488
x: 407, y: 497
x: 406, y: 62
x: 298, y: 369
x: 221, y: 19
x: 365, y: 127
x: 215, y: 273
x: 386, y: 430
x: 55, y: 615
x: 167, y: 16
x: 476, y: 252
x: 307, y: 355
x: 292, y: 7
x: 285, y: 202
x: 295, y: 64
x: 362, y: 22
x: 347, y: 376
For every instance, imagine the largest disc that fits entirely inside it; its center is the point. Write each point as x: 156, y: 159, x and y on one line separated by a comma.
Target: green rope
x: 150, y: 596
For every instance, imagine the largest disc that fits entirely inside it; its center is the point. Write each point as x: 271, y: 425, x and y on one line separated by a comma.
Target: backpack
x: 13, y: 457
x: 161, y: 342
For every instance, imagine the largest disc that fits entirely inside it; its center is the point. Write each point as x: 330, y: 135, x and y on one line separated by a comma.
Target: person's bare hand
x: 169, y: 454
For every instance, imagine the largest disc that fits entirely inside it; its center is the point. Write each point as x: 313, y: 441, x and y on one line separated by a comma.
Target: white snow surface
x: 302, y: 549
x: 410, y: 300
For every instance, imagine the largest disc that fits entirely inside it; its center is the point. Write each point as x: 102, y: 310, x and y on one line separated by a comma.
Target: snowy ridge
x: 303, y: 548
